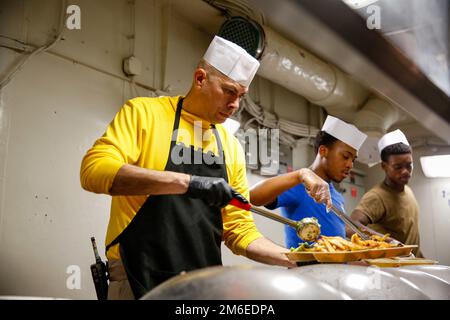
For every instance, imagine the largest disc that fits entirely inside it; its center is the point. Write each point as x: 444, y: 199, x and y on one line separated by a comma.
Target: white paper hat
x: 345, y: 132
x: 391, y: 138
x: 232, y: 60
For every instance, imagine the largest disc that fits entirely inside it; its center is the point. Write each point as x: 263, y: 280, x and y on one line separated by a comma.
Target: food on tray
x: 339, y: 244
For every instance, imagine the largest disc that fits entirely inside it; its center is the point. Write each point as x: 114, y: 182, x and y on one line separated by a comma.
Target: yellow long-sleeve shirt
x: 140, y: 135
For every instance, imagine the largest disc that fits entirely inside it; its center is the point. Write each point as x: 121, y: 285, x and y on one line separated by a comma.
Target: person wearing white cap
x: 391, y: 207
x: 170, y: 209
x: 336, y: 147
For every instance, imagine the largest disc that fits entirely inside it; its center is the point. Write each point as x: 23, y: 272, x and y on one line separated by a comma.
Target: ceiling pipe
x: 296, y: 69
x: 376, y: 116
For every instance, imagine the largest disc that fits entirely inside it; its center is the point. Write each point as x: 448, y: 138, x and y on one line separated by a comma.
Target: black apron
x: 174, y: 233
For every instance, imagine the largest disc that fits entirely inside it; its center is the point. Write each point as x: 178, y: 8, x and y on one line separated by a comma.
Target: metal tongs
x: 308, y: 229
x: 348, y: 221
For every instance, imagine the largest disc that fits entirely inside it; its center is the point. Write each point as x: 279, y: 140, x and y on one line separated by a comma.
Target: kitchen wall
x: 62, y: 100
x: 433, y: 196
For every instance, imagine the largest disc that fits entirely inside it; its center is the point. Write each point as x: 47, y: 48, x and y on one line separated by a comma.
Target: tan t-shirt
x: 393, y: 212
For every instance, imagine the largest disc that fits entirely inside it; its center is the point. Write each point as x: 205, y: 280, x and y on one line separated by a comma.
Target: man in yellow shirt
x: 172, y: 169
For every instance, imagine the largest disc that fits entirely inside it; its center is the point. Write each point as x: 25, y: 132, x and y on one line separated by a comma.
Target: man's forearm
x: 266, y: 191
x: 265, y: 251
x: 361, y: 221
x: 364, y: 228
x: 133, y: 180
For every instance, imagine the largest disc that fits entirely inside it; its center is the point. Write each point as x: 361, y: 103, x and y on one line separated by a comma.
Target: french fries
x: 328, y: 245
x: 338, y: 244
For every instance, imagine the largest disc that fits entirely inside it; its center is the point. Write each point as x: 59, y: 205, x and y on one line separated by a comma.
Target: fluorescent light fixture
x: 436, y: 166
x: 231, y: 125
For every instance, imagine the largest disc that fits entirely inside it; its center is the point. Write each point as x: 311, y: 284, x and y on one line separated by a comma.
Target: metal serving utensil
x: 348, y: 221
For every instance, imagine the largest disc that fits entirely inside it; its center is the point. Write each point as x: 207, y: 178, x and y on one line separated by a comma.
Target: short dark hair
x: 325, y: 139
x: 393, y: 149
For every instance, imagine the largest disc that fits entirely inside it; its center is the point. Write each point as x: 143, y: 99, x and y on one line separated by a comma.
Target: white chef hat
x: 391, y: 138
x: 345, y: 132
x: 232, y: 60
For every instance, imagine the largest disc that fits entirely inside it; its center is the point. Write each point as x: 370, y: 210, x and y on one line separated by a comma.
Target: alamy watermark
x: 73, y: 281
x: 373, y: 21
x: 73, y: 21
x: 374, y: 279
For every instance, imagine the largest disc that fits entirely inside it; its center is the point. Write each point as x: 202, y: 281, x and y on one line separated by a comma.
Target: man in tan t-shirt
x: 390, y: 207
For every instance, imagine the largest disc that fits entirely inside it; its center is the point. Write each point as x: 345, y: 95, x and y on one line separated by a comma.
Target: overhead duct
x: 374, y: 119
x: 376, y: 116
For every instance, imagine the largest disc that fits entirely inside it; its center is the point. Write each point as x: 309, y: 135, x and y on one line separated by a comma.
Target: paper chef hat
x: 232, y: 60
x: 345, y: 132
x: 391, y: 138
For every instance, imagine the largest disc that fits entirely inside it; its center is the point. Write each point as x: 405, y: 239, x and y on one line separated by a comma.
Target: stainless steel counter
x: 320, y: 282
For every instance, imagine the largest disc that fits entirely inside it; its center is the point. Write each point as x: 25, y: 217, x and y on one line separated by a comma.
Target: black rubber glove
x: 214, y: 191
